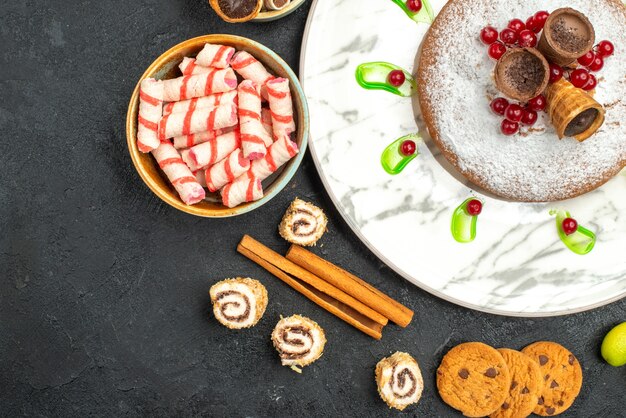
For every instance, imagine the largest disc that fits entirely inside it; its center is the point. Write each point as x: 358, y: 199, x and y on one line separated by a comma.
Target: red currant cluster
x: 517, y: 33
x: 592, y: 61
x: 514, y: 113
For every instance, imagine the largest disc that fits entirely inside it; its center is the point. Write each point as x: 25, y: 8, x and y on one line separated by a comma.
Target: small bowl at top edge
x: 271, y: 15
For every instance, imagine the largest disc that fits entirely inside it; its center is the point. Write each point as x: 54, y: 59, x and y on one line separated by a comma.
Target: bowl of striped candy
x: 217, y: 125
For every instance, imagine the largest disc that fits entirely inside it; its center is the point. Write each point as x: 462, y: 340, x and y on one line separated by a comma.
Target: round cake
x: 456, y: 85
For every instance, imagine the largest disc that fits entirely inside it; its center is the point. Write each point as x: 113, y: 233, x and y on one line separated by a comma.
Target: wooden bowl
x: 271, y: 15
x: 166, y: 66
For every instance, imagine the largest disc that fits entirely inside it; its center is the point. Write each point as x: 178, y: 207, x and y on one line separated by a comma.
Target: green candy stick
x: 392, y: 158
x: 463, y: 224
x: 374, y: 75
x: 425, y: 15
x: 580, y: 242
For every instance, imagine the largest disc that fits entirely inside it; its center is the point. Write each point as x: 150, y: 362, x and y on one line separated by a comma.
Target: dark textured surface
x: 103, y: 304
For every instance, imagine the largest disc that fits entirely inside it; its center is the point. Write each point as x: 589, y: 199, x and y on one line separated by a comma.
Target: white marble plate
x: 517, y: 265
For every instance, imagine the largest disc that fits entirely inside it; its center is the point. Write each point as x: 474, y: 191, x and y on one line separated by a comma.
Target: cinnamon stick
x: 341, y: 310
x: 302, y: 274
x: 352, y: 285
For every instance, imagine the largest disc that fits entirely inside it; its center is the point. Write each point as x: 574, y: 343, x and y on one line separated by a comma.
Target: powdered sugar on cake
x: 534, y: 165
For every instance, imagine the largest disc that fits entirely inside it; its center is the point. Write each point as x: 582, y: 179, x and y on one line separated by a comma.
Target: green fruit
x: 614, y: 346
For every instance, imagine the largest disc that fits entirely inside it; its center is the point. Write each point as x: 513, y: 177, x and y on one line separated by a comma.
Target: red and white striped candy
x: 188, y: 141
x: 214, y: 100
x: 281, y: 107
x: 199, y: 85
x: 254, y: 139
x: 197, y: 120
x: 189, y: 66
x: 217, y: 56
x: 227, y: 170
x: 245, y: 188
x: 200, y: 177
x: 183, y: 180
x: 150, y: 110
x: 278, y: 154
x: 250, y: 68
x: 266, y: 121
x: 214, y: 150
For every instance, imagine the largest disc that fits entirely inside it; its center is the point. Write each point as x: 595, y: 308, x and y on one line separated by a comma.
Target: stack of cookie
x: 478, y: 380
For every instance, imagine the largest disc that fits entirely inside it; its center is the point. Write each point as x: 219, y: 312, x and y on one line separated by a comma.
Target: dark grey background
x: 103, y: 305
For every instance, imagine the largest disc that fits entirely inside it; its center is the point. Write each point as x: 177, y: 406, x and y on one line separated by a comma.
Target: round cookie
x: 474, y: 379
x: 562, y: 375
x: 526, y: 385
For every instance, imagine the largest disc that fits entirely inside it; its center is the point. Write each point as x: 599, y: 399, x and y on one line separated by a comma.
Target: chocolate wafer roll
x: 238, y: 303
x: 303, y: 223
x: 298, y: 340
x: 399, y: 380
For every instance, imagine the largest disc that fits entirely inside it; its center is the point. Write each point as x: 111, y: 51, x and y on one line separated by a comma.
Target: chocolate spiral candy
x: 298, y: 340
x: 399, y: 380
x: 238, y: 303
x: 303, y: 223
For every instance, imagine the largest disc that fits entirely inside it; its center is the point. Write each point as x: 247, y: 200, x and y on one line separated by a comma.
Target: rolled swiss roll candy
x: 200, y: 176
x: 188, y: 141
x: 276, y: 4
x: 197, y: 120
x: 214, y: 100
x: 150, y: 111
x: 299, y: 340
x: 217, y: 56
x: 238, y: 303
x: 277, y: 154
x: 303, y: 223
x: 214, y: 150
x: 226, y: 171
x: 250, y: 68
x: 254, y: 139
x: 266, y: 121
x: 281, y: 107
x: 399, y: 380
x: 199, y: 85
x: 245, y: 188
x: 189, y: 66
x: 179, y: 175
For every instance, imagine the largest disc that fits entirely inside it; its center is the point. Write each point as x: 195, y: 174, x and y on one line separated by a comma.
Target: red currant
x: 540, y: 18
x: 474, y: 207
x: 527, y: 38
x: 414, y: 5
x: 569, y: 226
x: 496, y: 50
x: 605, y: 49
x: 509, y: 128
x: 508, y: 36
x: 530, y: 117
x: 488, y: 35
x: 396, y: 78
x: 499, y: 105
x: 537, y: 103
x: 587, y: 59
x: 597, y: 64
x: 556, y: 73
x: 516, y: 25
x: 579, y: 77
x: 533, y: 24
x: 591, y: 84
x: 514, y: 112
x: 408, y: 147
